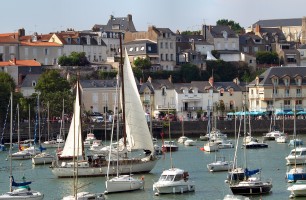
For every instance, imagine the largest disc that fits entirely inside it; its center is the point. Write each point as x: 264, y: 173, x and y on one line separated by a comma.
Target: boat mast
x: 48, y: 121
x: 18, y: 132
x: 171, y: 144
x: 11, y: 140
x: 122, y: 88
x: 38, y: 111
x: 29, y: 121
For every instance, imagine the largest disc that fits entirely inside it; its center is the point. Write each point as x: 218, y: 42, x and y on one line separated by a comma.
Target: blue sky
x: 44, y: 16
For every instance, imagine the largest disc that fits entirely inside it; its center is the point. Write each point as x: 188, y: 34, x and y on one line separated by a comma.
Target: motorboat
x: 190, y: 142
x: 85, y: 196
x: 255, y: 145
x: 295, y: 142
x: 182, y: 139
x: 53, y: 144
x: 251, y: 186
x: 298, y: 189
x: 248, y: 139
x: 225, y: 144
x: 96, y: 146
x: 220, y: 164
x: 173, y: 180
x: 123, y: 183
x: 90, y: 138
x: 297, y: 156
x: 204, y: 137
x: 169, y: 145
x: 295, y: 174
x: 282, y: 139
x: 273, y: 135
x: 211, y: 146
x: 42, y: 158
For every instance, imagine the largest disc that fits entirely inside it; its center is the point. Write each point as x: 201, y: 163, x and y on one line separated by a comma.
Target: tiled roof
x: 54, y: 44
x: 279, y: 22
x: 159, y: 83
x: 29, y: 63
x: 98, y: 83
x: 8, y: 39
x: 117, y: 24
x: 165, y: 30
x: 217, y: 31
x: 265, y: 78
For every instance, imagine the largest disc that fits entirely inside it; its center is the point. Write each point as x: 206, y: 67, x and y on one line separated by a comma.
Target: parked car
x: 98, y: 119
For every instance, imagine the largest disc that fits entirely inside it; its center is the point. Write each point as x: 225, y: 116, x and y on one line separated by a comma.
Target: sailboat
x: 183, y: 138
x: 22, y: 190
x: 120, y: 183
x: 173, y: 180
x: 2, y: 146
x: 76, y: 140
x: 43, y: 157
x: 296, y: 173
x: 137, y: 134
x: 250, y: 185
x: 212, y: 145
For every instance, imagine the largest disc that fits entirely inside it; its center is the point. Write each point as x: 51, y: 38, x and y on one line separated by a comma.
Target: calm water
x: 208, y: 185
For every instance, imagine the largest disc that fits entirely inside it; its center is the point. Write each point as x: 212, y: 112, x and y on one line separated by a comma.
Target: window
x: 131, y: 49
x: 286, y: 82
x: 164, y: 91
x: 255, y: 49
x: 161, y: 45
x: 167, y: 57
x: 166, y: 45
x: 287, y: 92
x: 298, y: 82
x: 221, y: 92
x: 245, y: 49
x: 142, y: 48
x: 250, y: 61
x: 26, y: 52
x: 46, y: 51
x: 149, y: 48
x: 161, y: 57
x: 287, y: 102
x: 298, y: 92
x: 171, y: 46
x: 137, y: 48
x: 171, y: 57
x: 33, y: 83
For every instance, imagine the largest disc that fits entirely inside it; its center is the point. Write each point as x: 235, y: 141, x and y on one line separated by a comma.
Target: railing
x: 191, y: 108
x: 166, y: 106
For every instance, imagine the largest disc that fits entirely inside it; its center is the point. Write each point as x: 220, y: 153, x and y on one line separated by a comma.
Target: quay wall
x: 191, y: 128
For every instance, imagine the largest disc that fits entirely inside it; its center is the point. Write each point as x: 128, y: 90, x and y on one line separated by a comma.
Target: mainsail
x: 73, y: 145
x: 137, y: 130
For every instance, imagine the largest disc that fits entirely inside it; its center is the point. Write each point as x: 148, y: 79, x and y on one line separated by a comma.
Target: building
x: 278, y: 88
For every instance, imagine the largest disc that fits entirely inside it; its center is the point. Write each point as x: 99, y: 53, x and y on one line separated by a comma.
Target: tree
x: 142, y: 63
x: 234, y: 26
x: 53, y: 89
x: 266, y: 57
x: 74, y: 59
x: 7, y: 85
x: 190, y: 73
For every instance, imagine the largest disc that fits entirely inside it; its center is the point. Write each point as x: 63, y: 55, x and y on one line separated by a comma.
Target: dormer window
x: 69, y: 40
x: 298, y: 81
x: 33, y: 83
x: 231, y: 91
x: 221, y: 92
x: 275, y: 81
x: 286, y: 82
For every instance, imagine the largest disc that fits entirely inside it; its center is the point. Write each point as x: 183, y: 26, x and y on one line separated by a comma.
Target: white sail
x: 74, y: 139
x: 210, y: 56
x: 137, y: 130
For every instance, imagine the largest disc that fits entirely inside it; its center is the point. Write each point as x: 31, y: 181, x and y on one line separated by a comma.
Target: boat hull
x: 297, y: 190
x: 91, y: 171
x: 172, y: 188
x: 123, y: 184
x: 41, y: 160
x: 252, y: 190
x: 216, y: 167
x: 32, y: 195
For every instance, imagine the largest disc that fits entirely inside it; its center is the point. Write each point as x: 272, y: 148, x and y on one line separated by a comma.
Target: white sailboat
x: 43, y: 157
x: 120, y: 183
x: 183, y: 138
x: 22, y: 190
x: 137, y: 131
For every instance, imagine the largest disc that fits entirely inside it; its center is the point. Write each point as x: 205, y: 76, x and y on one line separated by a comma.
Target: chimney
x: 111, y: 17
x: 14, y: 61
x: 257, y: 28
x: 150, y: 79
x: 170, y: 78
x: 140, y: 81
x: 129, y: 17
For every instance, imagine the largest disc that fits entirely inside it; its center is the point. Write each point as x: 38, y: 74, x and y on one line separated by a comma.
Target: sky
x: 45, y: 16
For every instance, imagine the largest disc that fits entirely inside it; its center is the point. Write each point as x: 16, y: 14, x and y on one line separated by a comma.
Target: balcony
x: 164, y: 107
x: 191, y: 108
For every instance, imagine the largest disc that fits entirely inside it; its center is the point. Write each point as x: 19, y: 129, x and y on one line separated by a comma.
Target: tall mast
x: 122, y: 88
x: 49, y: 121
x: 29, y: 121
x: 11, y: 141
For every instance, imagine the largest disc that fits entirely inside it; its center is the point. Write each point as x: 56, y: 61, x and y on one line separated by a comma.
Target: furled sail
x: 137, y: 130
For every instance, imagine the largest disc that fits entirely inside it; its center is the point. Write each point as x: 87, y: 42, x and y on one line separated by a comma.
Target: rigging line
x: 7, y: 111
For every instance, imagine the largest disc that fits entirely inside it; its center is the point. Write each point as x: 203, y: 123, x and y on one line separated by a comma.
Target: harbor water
x: 208, y: 185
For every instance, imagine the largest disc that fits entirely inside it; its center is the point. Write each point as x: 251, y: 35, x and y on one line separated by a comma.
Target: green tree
x: 232, y: 24
x: 53, y: 89
x: 190, y: 73
x: 74, y: 59
x: 142, y: 63
x: 266, y: 57
x: 7, y: 85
